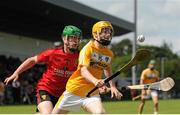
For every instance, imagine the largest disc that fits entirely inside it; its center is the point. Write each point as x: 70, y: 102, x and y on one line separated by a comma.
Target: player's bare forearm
x: 107, y: 73
x: 28, y: 63
x: 88, y: 76
x: 113, y: 89
x: 112, y: 84
x: 141, y: 81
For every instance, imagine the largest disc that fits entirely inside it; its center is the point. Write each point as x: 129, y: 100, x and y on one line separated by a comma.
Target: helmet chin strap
x: 103, y: 41
x: 71, y: 49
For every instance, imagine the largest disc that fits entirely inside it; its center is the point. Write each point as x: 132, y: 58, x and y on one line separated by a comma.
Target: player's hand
x: 115, y: 93
x: 104, y: 89
x: 13, y: 77
x: 99, y: 83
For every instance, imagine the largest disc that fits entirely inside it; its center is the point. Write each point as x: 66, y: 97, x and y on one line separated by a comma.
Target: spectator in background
x: 16, y: 91
x: 2, y: 88
x: 61, y: 62
x: 149, y: 75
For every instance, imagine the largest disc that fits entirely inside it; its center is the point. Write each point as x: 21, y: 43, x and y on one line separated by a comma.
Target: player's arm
x: 84, y: 63
x: 114, y: 90
x: 28, y: 63
x: 158, y: 76
x: 107, y: 73
x: 43, y: 57
x: 88, y: 76
x: 142, y: 78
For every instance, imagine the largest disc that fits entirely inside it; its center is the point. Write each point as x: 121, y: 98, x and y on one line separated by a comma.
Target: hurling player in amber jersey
x: 149, y: 75
x: 95, y: 58
x: 61, y: 62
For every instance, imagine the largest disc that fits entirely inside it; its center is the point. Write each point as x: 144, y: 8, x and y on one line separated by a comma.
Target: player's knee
x: 156, y: 104
x: 143, y: 101
x: 45, y: 112
x: 99, y: 111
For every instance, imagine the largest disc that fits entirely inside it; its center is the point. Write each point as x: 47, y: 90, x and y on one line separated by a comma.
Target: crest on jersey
x: 43, y: 97
x: 100, y: 57
x: 99, y: 60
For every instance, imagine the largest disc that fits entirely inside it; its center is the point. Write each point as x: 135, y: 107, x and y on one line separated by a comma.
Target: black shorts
x: 43, y: 95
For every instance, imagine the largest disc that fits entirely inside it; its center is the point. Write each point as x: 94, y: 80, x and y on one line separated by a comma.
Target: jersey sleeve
x: 143, y: 75
x: 158, y: 76
x: 85, y: 56
x: 44, y: 56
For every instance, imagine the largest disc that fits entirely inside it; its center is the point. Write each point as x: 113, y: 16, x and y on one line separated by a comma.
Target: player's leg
x: 154, y: 95
x: 58, y: 109
x: 45, y: 107
x: 93, y: 105
x: 144, y: 96
x: 44, y: 102
x: 67, y: 102
x: 141, y: 106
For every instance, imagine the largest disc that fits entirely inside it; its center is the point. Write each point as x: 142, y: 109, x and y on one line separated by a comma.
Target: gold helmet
x: 97, y: 27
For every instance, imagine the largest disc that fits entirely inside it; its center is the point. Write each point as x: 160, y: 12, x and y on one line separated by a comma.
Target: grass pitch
x: 170, y: 106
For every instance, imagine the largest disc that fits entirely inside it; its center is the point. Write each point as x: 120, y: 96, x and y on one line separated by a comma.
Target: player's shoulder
x: 88, y: 46
x: 60, y: 48
x: 146, y: 70
x: 52, y: 50
x: 156, y: 71
x: 110, y: 52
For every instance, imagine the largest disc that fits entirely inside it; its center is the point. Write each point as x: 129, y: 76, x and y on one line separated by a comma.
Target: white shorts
x: 153, y: 93
x: 71, y: 102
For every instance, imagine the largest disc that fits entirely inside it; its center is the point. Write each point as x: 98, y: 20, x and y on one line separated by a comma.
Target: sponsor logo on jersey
x: 64, y: 73
x: 100, y: 57
x: 99, y: 61
x: 152, y: 75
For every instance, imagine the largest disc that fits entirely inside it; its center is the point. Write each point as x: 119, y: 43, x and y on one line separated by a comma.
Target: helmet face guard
x: 104, y: 42
x: 102, y: 32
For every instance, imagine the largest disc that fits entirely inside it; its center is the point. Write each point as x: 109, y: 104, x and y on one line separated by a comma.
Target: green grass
x: 116, y: 107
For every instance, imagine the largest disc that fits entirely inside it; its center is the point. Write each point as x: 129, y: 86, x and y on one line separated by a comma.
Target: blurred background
x: 28, y: 27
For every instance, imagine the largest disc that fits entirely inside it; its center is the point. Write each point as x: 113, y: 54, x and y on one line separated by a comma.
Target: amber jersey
x: 149, y: 76
x: 96, y: 60
x: 60, y: 66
